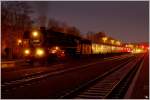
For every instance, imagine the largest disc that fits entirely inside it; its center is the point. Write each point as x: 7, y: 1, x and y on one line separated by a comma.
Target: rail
x: 16, y: 83
x: 104, y: 85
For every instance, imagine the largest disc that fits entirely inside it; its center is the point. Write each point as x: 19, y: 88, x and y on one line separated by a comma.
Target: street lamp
x: 112, y: 41
x: 104, y: 39
x: 118, y: 43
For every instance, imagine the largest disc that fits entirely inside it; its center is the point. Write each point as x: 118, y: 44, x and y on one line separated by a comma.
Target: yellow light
x: 118, y: 43
x: 39, y: 52
x: 137, y: 50
x: 35, y: 34
x: 112, y: 41
x: 56, y: 47
x: 104, y: 39
x: 27, y: 51
x: 19, y: 41
x: 130, y: 45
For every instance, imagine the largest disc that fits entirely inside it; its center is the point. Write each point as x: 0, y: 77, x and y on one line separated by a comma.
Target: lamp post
x: 104, y: 39
x: 118, y: 43
x: 112, y: 41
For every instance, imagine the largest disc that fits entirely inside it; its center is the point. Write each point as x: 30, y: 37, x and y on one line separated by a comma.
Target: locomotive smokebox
x: 43, y: 31
x: 42, y: 28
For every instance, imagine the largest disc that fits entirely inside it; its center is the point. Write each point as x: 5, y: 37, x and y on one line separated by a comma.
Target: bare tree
x: 52, y: 23
x: 64, y: 27
x: 15, y: 19
x: 42, y: 21
x: 55, y: 25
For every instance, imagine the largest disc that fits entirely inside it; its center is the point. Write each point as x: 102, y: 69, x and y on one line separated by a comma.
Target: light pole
x: 104, y: 39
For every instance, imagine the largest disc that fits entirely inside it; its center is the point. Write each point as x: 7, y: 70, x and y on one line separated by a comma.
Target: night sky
x: 124, y: 20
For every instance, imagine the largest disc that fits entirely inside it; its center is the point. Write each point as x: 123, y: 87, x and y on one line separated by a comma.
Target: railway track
x: 7, y: 86
x: 112, y: 84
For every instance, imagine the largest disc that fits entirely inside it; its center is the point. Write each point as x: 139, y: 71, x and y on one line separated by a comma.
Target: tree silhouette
x: 14, y: 20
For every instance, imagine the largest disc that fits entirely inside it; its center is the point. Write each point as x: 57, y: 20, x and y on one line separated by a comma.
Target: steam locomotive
x: 45, y: 45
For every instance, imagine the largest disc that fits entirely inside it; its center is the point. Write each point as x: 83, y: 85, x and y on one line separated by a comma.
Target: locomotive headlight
x: 40, y: 52
x: 27, y: 51
x: 35, y: 34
